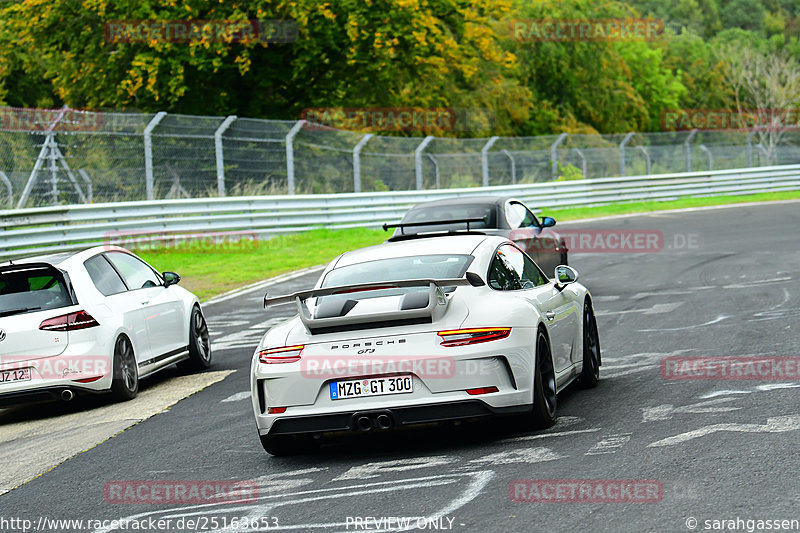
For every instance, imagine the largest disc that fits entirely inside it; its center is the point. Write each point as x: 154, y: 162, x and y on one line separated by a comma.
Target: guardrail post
x: 218, y: 151
x: 435, y: 169
x: 710, y: 157
x: 357, y: 161
x: 622, y: 152
x: 750, y: 146
x: 290, y: 154
x: 148, y: 152
x: 485, y: 160
x: 554, y: 156
x: 418, y: 159
x: 513, y: 166
x: 646, y: 157
x: 9, y: 188
x: 686, y: 150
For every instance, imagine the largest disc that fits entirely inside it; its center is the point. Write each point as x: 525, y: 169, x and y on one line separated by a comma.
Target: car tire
x: 125, y: 381
x: 199, y: 344
x: 590, y: 374
x: 283, y: 445
x: 545, y: 398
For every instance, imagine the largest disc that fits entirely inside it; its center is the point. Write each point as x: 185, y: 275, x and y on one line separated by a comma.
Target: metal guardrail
x: 53, y: 229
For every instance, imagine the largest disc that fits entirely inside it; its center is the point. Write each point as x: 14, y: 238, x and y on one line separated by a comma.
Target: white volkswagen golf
x: 93, y: 321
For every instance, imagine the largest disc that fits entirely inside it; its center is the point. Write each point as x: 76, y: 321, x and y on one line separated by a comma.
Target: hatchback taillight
x: 70, y: 322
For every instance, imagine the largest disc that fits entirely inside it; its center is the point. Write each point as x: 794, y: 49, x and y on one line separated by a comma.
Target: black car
x: 490, y: 215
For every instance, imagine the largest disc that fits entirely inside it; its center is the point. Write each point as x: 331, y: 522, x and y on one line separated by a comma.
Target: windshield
x: 26, y: 289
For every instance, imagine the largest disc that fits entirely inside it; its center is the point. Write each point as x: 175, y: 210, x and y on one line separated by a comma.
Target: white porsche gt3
x: 422, y: 330
x: 93, y: 321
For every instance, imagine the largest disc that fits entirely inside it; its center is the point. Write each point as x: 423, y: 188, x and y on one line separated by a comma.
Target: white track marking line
x: 526, y: 455
x: 609, y: 444
x: 779, y: 424
x: 239, y: 396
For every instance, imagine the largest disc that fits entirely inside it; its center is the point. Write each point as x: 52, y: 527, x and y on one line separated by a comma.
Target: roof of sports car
x: 450, y: 244
x: 463, y: 200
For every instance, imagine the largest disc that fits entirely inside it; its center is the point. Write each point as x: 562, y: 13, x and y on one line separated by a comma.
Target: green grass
x: 577, y: 213
x: 208, y: 270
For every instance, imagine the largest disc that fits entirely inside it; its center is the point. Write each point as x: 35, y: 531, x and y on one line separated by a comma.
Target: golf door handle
x: 550, y: 315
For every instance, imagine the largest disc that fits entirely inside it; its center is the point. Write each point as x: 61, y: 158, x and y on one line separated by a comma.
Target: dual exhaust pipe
x: 368, y: 421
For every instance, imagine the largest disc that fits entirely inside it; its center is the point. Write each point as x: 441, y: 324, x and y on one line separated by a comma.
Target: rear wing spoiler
x: 404, y: 316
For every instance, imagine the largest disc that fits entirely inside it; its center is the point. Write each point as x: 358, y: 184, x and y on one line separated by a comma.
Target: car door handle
x: 145, y: 303
x: 550, y: 315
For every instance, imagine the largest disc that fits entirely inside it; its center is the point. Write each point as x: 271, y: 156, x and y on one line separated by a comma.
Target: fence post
x: 435, y: 170
x: 554, y: 155
x: 646, y: 157
x: 583, y: 161
x: 686, y: 150
x: 148, y: 152
x: 710, y: 157
x: 290, y: 154
x: 218, y: 151
x: 750, y: 146
x: 9, y: 188
x: 485, y: 160
x: 357, y: 161
x: 513, y: 166
x: 765, y: 152
x: 622, y: 152
x: 418, y: 159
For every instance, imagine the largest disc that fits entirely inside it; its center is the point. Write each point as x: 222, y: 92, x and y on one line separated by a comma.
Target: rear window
x: 26, y: 289
x: 451, y: 212
x: 398, y: 269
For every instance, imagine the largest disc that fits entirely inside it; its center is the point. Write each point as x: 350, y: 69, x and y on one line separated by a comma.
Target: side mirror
x: 564, y: 276
x: 170, y: 278
x: 548, y: 222
x: 475, y: 280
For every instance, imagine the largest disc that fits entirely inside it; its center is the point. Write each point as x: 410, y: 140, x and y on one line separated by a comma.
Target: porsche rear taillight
x: 70, y: 322
x: 284, y: 354
x: 463, y: 337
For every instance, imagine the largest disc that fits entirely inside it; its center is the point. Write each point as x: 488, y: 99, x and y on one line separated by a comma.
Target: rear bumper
x: 400, y: 417
x: 41, y: 394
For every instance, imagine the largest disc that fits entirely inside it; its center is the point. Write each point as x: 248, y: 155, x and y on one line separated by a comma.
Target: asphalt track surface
x: 725, y: 283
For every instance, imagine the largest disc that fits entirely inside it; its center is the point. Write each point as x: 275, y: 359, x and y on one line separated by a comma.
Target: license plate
x: 358, y: 388
x: 20, y: 374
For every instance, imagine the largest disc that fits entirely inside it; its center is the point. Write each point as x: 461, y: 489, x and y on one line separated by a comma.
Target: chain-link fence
x: 51, y: 157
